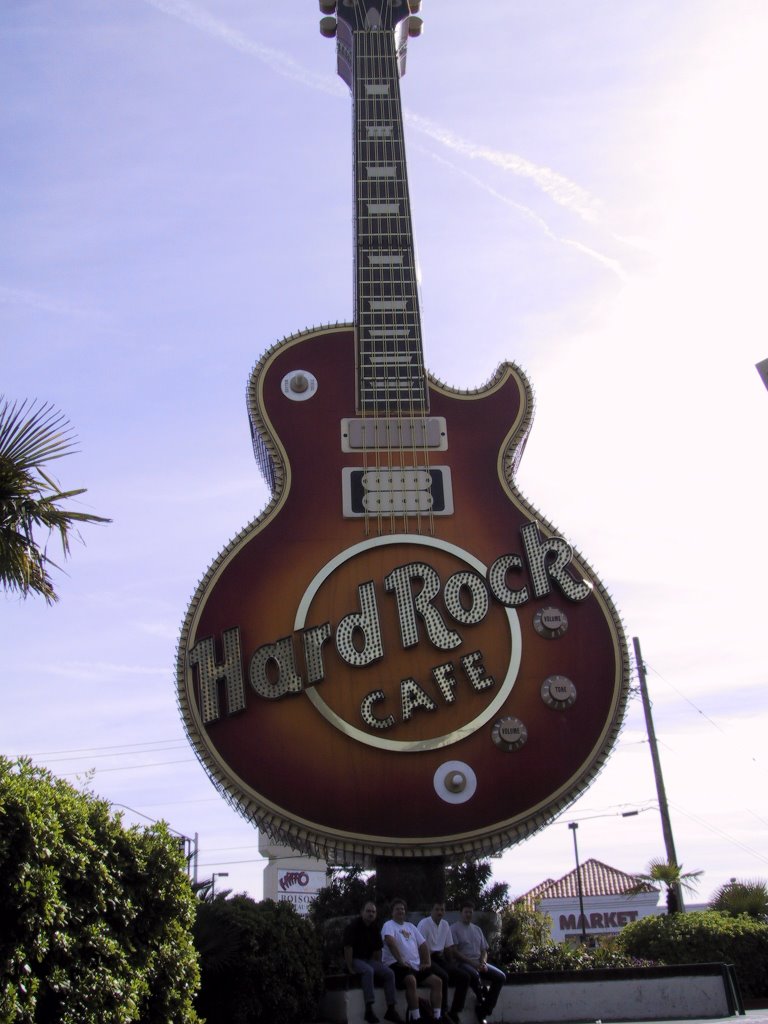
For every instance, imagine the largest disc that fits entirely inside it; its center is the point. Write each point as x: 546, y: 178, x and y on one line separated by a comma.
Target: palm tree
x: 749, y: 897
x: 31, y: 436
x: 671, y: 876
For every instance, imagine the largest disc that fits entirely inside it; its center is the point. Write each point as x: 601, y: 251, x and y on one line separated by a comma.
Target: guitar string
x: 362, y: 354
x: 380, y: 373
x: 400, y: 316
x: 424, y: 410
x: 373, y: 72
x: 405, y: 346
x: 379, y: 63
x: 419, y: 404
x: 392, y: 372
x: 368, y: 411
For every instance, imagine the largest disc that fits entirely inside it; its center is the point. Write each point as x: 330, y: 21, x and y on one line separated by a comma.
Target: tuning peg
x: 414, y: 6
x: 328, y: 6
x: 328, y: 27
x: 415, y: 26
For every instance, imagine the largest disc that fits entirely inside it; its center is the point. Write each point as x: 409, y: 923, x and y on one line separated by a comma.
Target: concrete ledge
x: 682, y: 992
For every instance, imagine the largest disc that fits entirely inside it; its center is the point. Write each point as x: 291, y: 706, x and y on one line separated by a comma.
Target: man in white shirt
x: 471, y: 952
x: 438, y: 936
x: 407, y: 953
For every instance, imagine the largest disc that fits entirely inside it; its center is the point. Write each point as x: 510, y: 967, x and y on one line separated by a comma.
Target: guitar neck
x: 391, y: 379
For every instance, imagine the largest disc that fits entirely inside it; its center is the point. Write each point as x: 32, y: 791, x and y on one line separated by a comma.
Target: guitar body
x: 469, y: 691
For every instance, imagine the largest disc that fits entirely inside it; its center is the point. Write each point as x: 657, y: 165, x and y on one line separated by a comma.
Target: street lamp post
x: 573, y: 825
x: 214, y: 876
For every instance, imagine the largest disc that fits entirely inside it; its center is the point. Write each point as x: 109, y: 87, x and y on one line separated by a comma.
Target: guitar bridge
x: 396, y: 490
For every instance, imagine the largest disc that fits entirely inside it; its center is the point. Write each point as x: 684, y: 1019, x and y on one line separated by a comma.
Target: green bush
x: 557, y: 956
x: 95, y: 919
x: 521, y: 928
x: 260, y: 963
x: 704, y: 937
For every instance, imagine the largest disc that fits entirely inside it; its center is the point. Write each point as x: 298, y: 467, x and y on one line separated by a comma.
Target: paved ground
x: 751, y: 1017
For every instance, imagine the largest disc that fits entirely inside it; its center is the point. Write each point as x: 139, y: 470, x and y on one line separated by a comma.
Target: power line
x: 130, y: 767
x: 86, y: 750
x: 752, y: 758
x: 720, y: 832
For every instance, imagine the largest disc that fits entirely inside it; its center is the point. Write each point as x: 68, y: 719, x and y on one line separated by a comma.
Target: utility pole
x: 579, y: 889
x: 666, y: 824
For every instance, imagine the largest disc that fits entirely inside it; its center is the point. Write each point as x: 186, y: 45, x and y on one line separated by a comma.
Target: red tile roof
x: 597, y: 879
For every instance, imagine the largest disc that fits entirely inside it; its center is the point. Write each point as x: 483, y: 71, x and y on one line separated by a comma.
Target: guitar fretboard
x: 391, y: 378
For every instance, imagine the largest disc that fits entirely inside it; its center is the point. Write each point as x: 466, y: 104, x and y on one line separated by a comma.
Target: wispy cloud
x: 278, y: 61
x: 45, y: 303
x: 95, y: 671
x: 559, y: 188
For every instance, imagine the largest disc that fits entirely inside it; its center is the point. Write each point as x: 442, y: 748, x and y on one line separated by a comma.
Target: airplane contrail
x: 607, y: 261
x: 560, y: 189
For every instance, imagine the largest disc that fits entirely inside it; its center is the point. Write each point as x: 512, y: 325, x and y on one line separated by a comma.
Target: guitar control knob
x: 414, y: 6
x: 415, y: 26
x: 558, y: 692
x: 328, y: 6
x: 328, y: 27
x: 509, y: 734
x: 550, y: 622
x: 299, y: 385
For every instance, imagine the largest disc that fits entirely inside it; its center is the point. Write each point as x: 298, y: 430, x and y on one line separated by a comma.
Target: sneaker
x: 370, y: 1016
x: 393, y: 1015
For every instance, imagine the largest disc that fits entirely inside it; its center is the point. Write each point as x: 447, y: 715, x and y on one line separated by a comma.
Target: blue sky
x: 588, y: 186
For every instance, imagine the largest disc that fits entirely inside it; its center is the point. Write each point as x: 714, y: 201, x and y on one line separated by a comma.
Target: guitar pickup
x: 396, y: 490
x: 394, y: 433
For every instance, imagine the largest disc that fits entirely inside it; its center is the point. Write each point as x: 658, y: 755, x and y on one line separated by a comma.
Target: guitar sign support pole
x: 666, y: 824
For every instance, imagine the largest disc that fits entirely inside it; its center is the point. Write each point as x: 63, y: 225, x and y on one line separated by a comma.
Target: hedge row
x: 95, y: 919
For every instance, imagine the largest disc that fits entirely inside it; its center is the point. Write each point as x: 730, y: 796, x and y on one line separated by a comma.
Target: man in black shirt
x: 362, y: 955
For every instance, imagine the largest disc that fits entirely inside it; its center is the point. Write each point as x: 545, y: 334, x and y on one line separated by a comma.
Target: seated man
x: 406, y: 952
x: 471, y: 952
x: 438, y: 936
x: 362, y: 955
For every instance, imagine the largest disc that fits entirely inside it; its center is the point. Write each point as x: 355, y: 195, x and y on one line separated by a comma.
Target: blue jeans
x: 493, y: 977
x: 370, y: 970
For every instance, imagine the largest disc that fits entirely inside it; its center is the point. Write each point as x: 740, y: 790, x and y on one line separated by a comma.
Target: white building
x: 606, y: 898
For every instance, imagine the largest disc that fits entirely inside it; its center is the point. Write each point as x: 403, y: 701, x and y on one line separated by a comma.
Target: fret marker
x: 380, y: 170
x: 390, y: 360
x: 377, y: 88
x: 379, y: 131
x: 385, y: 259
x: 374, y: 208
x: 388, y: 332
x: 385, y: 305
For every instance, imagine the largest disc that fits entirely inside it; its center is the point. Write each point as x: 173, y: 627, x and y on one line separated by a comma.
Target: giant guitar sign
x: 399, y: 656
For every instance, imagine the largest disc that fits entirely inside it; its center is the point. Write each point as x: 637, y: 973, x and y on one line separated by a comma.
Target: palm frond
x: 30, y: 499
x: 32, y: 435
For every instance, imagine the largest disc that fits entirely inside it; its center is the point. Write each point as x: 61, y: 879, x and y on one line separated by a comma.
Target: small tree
x: 671, y: 876
x: 749, y: 897
x: 30, y: 500
x: 259, y: 962
x: 345, y: 894
x: 471, y: 881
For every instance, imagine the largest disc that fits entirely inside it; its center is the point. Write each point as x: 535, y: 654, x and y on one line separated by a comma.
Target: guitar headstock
x: 359, y: 15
